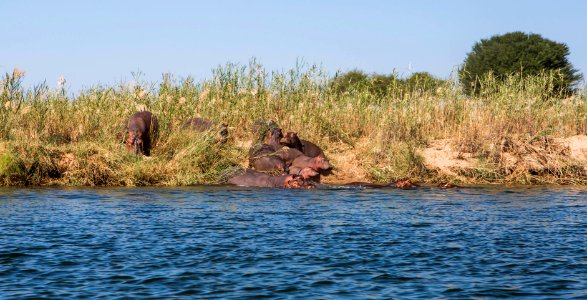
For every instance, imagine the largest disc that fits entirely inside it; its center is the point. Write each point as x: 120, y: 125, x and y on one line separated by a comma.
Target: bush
x: 349, y: 81
x: 382, y: 85
x: 518, y: 53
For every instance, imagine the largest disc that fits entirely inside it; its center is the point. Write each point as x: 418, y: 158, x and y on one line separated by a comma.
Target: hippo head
x: 405, y: 183
x: 223, y: 132
x: 273, y: 136
x: 134, y: 141
x: 292, y: 140
x: 297, y: 182
x: 307, y: 173
x: 291, y: 181
x: 321, y: 163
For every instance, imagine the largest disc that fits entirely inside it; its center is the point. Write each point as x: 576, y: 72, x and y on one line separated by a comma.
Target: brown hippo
x: 310, y: 149
x: 141, y: 130
x: 201, y: 125
x: 318, y: 163
x: 264, y: 157
x: 253, y: 178
x: 289, y: 154
x: 272, y: 138
x: 306, y: 173
x: 404, y: 183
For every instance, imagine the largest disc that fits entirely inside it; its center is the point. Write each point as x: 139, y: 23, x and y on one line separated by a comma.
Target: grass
x: 48, y: 136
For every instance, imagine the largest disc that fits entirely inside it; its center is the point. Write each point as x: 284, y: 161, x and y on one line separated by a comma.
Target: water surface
x: 223, y: 242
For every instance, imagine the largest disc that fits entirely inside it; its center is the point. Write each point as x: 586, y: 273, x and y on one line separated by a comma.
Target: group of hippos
x: 275, y: 160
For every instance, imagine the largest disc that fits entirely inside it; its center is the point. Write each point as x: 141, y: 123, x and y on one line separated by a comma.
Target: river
x: 218, y: 242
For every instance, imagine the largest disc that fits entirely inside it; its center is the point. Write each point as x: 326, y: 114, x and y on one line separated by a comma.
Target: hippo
x: 200, y: 124
x: 142, y: 129
x: 289, y: 154
x: 273, y: 138
x: 270, y: 141
x: 310, y: 149
x: 264, y: 157
x: 404, y: 183
x: 306, y: 173
x: 318, y: 163
x: 253, y: 178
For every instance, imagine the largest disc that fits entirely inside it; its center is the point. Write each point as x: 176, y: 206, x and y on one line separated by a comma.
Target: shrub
x: 518, y: 53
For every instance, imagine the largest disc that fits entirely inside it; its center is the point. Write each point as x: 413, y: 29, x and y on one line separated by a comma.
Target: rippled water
x: 222, y: 242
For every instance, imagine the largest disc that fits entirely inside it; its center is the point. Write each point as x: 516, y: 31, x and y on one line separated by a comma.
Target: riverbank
x: 542, y: 161
x: 514, y: 131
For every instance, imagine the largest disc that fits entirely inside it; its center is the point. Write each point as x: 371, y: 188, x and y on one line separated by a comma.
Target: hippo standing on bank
x: 141, y: 130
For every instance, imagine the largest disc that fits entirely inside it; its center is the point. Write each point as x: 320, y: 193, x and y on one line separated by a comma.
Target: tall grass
x: 48, y: 136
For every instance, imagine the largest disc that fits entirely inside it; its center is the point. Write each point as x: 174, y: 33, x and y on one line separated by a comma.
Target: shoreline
x: 533, y: 164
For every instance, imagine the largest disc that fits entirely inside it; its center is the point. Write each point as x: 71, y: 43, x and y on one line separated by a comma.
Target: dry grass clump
x: 51, y: 137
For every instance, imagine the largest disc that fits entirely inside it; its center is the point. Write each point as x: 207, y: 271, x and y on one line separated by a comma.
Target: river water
x: 218, y: 242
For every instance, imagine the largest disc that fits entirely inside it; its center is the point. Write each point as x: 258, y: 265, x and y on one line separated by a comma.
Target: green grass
x: 48, y: 136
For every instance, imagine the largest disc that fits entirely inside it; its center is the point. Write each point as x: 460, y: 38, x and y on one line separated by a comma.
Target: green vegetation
x: 381, y: 85
x: 522, y: 54
x: 49, y: 137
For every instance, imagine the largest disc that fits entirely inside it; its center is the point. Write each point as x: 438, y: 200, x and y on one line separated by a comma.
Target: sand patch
x: 442, y: 155
x: 577, y: 146
x: 347, y: 166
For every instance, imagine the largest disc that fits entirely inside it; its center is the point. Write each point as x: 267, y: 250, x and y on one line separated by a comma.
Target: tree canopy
x: 518, y: 52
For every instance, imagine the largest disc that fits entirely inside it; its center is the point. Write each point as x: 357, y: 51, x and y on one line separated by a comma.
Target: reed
x: 48, y: 136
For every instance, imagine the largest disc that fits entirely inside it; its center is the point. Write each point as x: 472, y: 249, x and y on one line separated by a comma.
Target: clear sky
x: 91, y: 42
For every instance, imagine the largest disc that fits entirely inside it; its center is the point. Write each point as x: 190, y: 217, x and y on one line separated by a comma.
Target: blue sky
x: 92, y: 42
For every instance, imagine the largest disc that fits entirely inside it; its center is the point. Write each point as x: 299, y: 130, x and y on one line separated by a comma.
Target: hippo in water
x: 253, y: 178
x: 141, y: 130
x: 310, y: 149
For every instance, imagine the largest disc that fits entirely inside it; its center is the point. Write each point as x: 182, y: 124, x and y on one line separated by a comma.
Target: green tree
x: 351, y: 80
x: 421, y: 82
x: 516, y: 52
x: 380, y: 84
